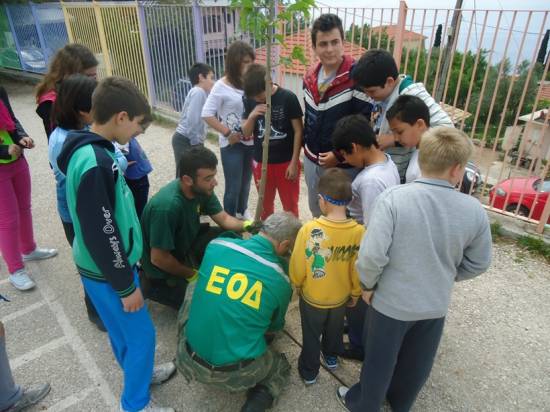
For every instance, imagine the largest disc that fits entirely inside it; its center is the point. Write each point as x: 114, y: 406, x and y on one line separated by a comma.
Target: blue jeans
x: 237, y: 170
x: 132, y: 337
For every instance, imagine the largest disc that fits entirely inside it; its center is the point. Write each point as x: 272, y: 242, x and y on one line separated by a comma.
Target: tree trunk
x: 267, y: 132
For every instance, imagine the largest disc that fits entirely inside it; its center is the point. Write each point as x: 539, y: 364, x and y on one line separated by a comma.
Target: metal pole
x: 447, y: 53
x: 401, y: 20
x: 199, y: 32
x: 41, y: 39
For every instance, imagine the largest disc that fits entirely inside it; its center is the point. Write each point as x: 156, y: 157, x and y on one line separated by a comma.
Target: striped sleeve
x: 438, y: 116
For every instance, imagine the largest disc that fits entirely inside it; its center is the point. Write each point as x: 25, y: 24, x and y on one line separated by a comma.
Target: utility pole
x: 448, y: 51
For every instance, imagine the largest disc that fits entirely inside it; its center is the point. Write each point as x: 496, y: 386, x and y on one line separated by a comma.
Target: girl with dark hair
x: 71, y: 59
x: 225, y: 102
x: 71, y: 112
x: 17, y: 243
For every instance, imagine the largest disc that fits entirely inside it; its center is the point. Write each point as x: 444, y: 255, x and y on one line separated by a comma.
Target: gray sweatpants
x: 313, y: 173
x: 180, y: 144
x: 10, y: 393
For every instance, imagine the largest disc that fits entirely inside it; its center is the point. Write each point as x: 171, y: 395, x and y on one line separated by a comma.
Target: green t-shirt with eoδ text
x: 242, y: 292
x: 171, y: 221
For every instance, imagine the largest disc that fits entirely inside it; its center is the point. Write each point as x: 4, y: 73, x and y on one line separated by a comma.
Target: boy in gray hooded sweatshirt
x: 422, y: 237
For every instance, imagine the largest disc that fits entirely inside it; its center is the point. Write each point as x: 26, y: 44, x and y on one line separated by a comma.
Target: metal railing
x: 480, y: 64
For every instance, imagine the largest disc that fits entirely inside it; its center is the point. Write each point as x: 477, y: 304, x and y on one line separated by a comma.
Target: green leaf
x: 298, y: 54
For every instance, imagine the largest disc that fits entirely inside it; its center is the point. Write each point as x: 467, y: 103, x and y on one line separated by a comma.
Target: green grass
x: 536, y: 246
x: 496, y: 231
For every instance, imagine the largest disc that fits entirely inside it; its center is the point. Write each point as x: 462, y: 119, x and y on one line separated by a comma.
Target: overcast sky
x: 524, y: 47
x: 468, y: 4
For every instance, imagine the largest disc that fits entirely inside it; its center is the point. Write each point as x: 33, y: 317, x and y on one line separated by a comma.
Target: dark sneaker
x: 258, y: 399
x: 341, y: 396
x: 31, y: 395
x: 98, y: 323
x: 162, y: 373
x: 309, y: 382
x: 331, y: 362
x: 353, y: 353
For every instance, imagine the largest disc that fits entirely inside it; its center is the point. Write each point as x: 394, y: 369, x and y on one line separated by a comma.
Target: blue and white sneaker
x: 331, y: 362
x: 309, y: 382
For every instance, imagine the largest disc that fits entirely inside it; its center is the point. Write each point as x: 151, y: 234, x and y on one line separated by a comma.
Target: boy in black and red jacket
x: 329, y: 94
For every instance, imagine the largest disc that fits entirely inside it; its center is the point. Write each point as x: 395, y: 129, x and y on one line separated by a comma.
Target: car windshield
x: 541, y: 186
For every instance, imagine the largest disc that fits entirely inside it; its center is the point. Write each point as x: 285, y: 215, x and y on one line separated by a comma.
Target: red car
x: 529, y: 187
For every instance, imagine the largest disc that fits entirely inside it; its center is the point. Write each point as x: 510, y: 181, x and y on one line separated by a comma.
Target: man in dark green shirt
x: 241, y: 293
x: 173, y: 236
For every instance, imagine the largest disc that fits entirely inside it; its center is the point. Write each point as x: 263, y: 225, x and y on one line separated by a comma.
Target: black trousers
x: 140, y: 190
x: 171, y: 291
x: 68, y: 228
x: 328, y: 324
x: 356, y: 321
x: 399, y: 356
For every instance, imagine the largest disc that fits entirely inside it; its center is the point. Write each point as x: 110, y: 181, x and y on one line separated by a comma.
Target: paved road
x: 494, y: 354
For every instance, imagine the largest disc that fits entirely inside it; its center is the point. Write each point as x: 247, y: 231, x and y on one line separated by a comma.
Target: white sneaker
x: 21, y: 280
x: 152, y: 407
x: 40, y: 254
x: 341, y: 396
x: 162, y: 373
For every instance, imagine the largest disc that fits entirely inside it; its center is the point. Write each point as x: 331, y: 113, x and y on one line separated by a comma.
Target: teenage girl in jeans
x: 16, y: 234
x: 225, y: 102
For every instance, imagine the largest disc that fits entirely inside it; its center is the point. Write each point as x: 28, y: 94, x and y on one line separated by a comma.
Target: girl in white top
x: 223, y: 112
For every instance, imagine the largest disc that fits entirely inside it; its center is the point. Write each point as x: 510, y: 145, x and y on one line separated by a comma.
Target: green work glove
x: 193, y: 278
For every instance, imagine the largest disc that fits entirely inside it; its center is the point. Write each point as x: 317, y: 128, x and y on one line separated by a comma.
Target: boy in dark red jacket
x: 329, y: 94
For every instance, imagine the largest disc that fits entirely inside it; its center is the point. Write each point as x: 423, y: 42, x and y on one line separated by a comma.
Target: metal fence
x: 113, y: 32
x: 38, y: 30
x: 486, y: 67
x: 8, y: 52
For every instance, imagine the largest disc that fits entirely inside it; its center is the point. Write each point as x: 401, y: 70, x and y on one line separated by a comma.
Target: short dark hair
x: 350, y: 129
x: 326, y: 22
x: 117, y: 94
x: 373, y: 68
x: 335, y: 183
x: 236, y: 52
x: 409, y: 109
x: 74, y: 95
x: 197, y: 157
x: 254, y: 80
x: 199, y: 68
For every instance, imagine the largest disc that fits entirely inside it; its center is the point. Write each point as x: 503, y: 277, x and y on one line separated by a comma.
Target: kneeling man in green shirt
x: 241, y: 293
x: 174, y: 239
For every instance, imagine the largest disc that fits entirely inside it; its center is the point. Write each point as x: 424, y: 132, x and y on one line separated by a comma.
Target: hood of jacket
x: 75, y: 140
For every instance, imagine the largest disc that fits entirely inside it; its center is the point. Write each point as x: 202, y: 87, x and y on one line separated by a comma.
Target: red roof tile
x: 392, y: 30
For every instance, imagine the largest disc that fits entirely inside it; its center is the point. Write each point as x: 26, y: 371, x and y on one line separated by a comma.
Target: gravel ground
x: 494, y: 355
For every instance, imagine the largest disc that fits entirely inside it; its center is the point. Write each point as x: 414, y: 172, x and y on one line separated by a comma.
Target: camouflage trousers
x: 271, y: 370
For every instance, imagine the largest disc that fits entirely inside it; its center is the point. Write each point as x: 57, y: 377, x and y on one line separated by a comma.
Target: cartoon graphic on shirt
x: 275, y: 134
x: 278, y: 119
x: 233, y: 121
x: 320, y: 255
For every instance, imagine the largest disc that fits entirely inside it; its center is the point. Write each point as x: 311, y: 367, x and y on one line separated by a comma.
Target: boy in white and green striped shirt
x: 377, y: 75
